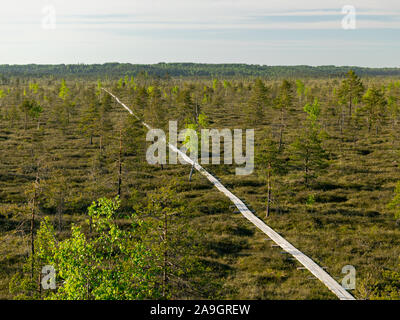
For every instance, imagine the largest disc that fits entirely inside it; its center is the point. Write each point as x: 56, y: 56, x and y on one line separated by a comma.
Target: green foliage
x: 64, y: 90
x: 201, y: 123
x: 300, y: 88
x: 110, y: 264
x: 99, y: 88
x: 34, y: 87
x: 215, y: 84
x: 121, y: 83
x: 385, y: 287
x: 313, y: 111
x: 310, y: 200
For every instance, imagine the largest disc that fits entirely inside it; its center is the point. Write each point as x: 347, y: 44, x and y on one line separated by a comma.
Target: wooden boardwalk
x: 308, y: 263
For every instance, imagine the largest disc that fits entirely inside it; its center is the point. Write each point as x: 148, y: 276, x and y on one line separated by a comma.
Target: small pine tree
x: 283, y: 103
x: 351, y: 90
x: 257, y: 102
x: 375, y: 107
x: 89, y: 122
x: 307, y: 150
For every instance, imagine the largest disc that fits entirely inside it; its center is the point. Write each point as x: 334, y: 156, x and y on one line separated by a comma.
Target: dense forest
x: 165, y: 70
x: 77, y: 193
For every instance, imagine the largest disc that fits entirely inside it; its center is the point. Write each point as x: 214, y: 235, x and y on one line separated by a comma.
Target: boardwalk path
x: 309, y: 264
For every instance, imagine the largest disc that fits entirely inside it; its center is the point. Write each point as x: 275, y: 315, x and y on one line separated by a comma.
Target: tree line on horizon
x: 166, y: 70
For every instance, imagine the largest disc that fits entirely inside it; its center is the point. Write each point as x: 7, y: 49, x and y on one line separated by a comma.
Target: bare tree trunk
x: 191, y: 172
x: 350, y: 107
x: 269, y: 191
x: 33, y: 226
x: 32, y: 239
x: 281, y: 131
x: 343, y: 121
x: 165, y: 255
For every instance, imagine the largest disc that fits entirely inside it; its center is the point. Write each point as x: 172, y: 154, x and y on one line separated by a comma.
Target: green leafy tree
x: 64, y: 91
x: 307, y: 151
x: 99, y: 90
x: 110, y: 264
x: 227, y: 86
x: 313, y: 110
x: 300, y: 89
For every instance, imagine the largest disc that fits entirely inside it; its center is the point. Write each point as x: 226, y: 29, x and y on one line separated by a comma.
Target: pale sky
x: 266, y: 32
